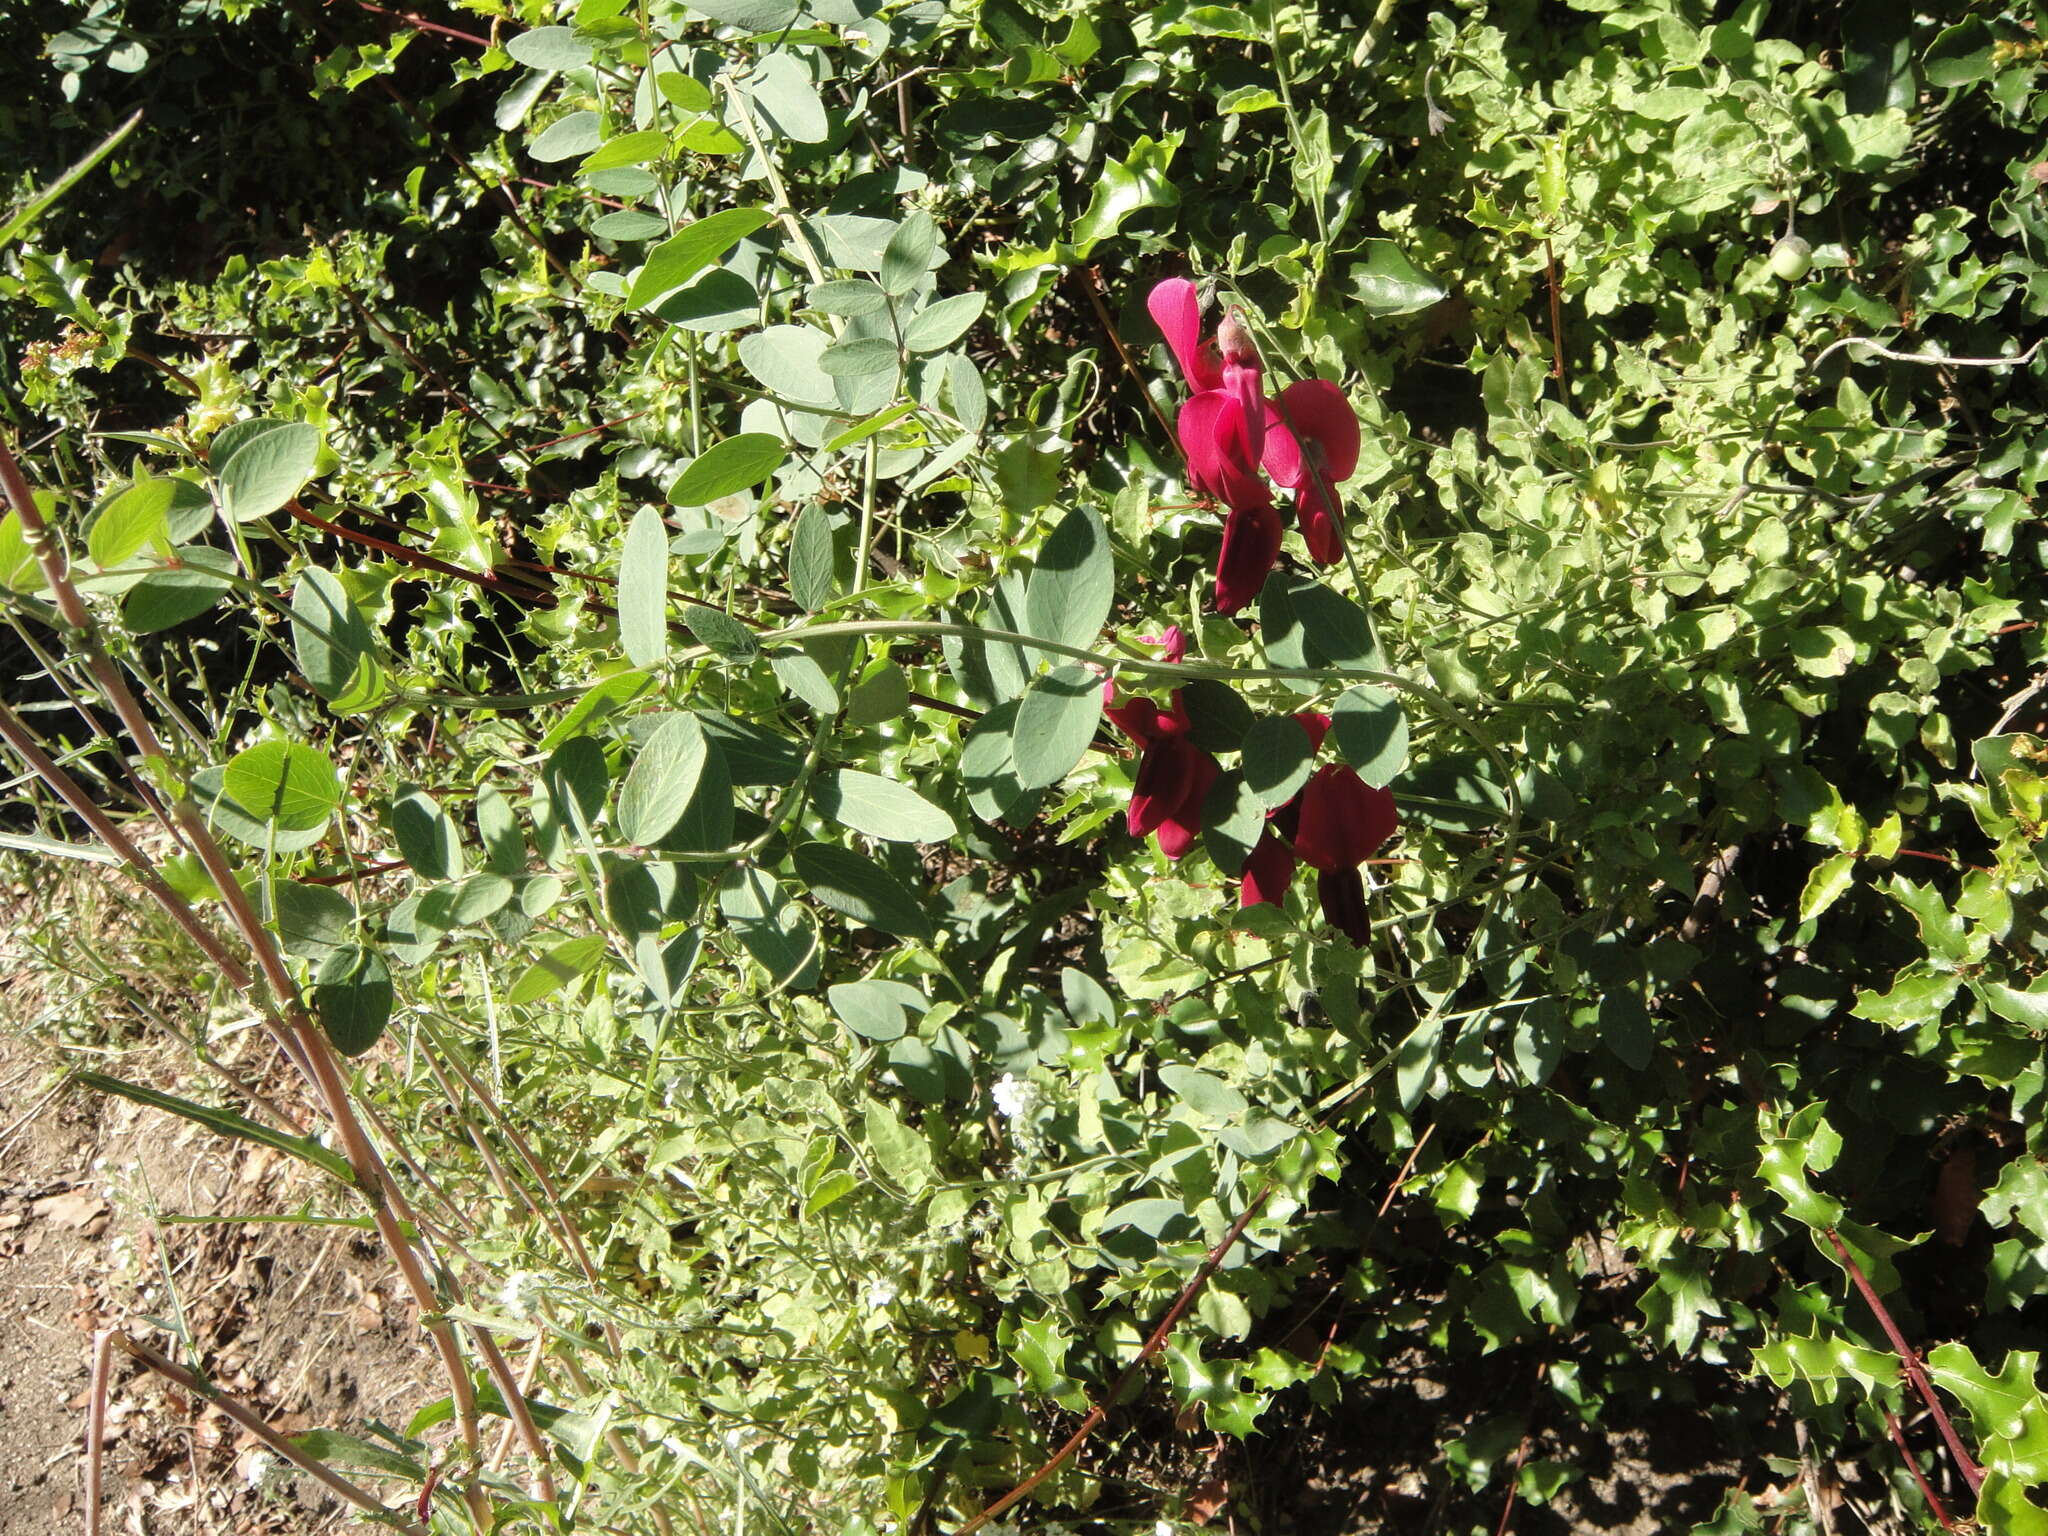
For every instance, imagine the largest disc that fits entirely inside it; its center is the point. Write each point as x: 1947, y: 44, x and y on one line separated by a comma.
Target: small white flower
x: 1015, y: 1097
x: 521, y: 1294
x: 260, y: 1469
x: 881, y: 1293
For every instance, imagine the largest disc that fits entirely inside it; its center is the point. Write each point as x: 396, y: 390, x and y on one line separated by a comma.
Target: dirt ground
x: 301, y: 1322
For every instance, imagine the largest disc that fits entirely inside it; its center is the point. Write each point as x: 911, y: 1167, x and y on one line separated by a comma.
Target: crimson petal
x: 1342, y: 894
x: 1267, y: 873
x: 1343, y: 819
x: 1251, y: 548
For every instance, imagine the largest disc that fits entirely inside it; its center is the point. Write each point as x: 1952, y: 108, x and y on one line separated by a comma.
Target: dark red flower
x: 1312, y: 460
x: 1174, y: 775
x: 1334, y: 824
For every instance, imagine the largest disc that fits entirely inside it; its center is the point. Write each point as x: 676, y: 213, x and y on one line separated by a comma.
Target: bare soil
x: 98, y: 1198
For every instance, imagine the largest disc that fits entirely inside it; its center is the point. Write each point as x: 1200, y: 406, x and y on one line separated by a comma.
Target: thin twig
x: 96, y: 1426
x: 282, y: 1445
x: 1210, y: 1263
x: 1891, y: 1421
x: 1915, y: 1372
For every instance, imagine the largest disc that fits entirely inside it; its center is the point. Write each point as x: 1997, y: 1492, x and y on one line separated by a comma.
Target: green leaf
x: 165, y: 599
x: 938, y: 326
x: 718, y: 301
x: 755, y: 16
x: 903, y: 1154
x: 310, y: 920
x: 858, y: 887
x: 330, y: 637
x: 1073, y: 583
x: 1278, y: 757
x: 781, y: 86
x: 909, y: 254
x: 727, y: 468
x: 643, y: 589
x: 1829, y: 882
x: 684, y: 254
x: 1388, y: 283
x: 867, y: 802
x: 662, y: 779
x: 875, y: 1010
x: 787, y: 360
x: 1056, y: 721
x: 1210, y: 1097
x: 352, y: 998
x: 988, y: 769
x: 631, y: 224
x: 1232, y: 821
x: 811, y: 561
x: 859, y: 356
x: 1370, y: 730
x: 555, y: 969
x: 1124, y: 187
x: 268, y: 468
x: 2026, y: 1007
x: 286, y: 784
x: 626, y: 149
x: 723, y: 633
x: 1335, y: 631
x: 779, y: 934
x: 568, y: 138
x: 223, y: 1122
x: 805, y: 680
x: 135, y: 518
x: 1959, y: 55
x: 427, y: 837
x: 550, y: 48
x: 336, y: 1449
x: 849, y: 298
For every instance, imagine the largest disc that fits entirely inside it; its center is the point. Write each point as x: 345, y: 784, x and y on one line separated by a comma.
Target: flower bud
x: 1234, y: 340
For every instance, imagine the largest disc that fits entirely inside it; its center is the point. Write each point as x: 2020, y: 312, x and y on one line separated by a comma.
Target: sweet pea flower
x: 1313, y: 459
x: 1333, y: 825
x: 1174, y: 775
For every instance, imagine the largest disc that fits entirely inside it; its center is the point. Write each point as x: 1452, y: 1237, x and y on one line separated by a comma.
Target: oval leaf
x: 1056, y: 721
x: 643, y: 589
x: 881, y: 807
x: 727, y: 468
x: 662, y: 779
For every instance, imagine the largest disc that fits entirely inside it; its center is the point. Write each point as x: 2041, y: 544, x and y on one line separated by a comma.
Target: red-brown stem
x: 1915, y: 1372
x: 1891, y: 1422
x: 1153, y: 1345
x: 1507, y: 1505
x: 96, y: 1426
x: 514, y: 1394
x: 421, y: 24
x: 341, y: 1486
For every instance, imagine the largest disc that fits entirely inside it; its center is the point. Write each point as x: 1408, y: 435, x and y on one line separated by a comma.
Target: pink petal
x: 1177, y: 834
x: 1220, y: 460
x: 1176, y: 308
x: 1251, y: 548
x: 1319, y: 413
x: 1343, y: 819
x: 1246, y: 385
x: 1142, y: 722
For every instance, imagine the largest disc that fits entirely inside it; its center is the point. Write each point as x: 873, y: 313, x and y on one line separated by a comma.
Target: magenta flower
x: 1234, y: 436
x: 1313, y: 459
x: 1174, y: 775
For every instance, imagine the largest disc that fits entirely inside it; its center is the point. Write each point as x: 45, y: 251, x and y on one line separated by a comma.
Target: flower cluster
x: 1334, y: 823
x: 1235, y: 436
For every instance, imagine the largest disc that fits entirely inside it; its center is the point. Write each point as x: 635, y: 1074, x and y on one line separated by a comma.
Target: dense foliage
x: 628, y: 514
